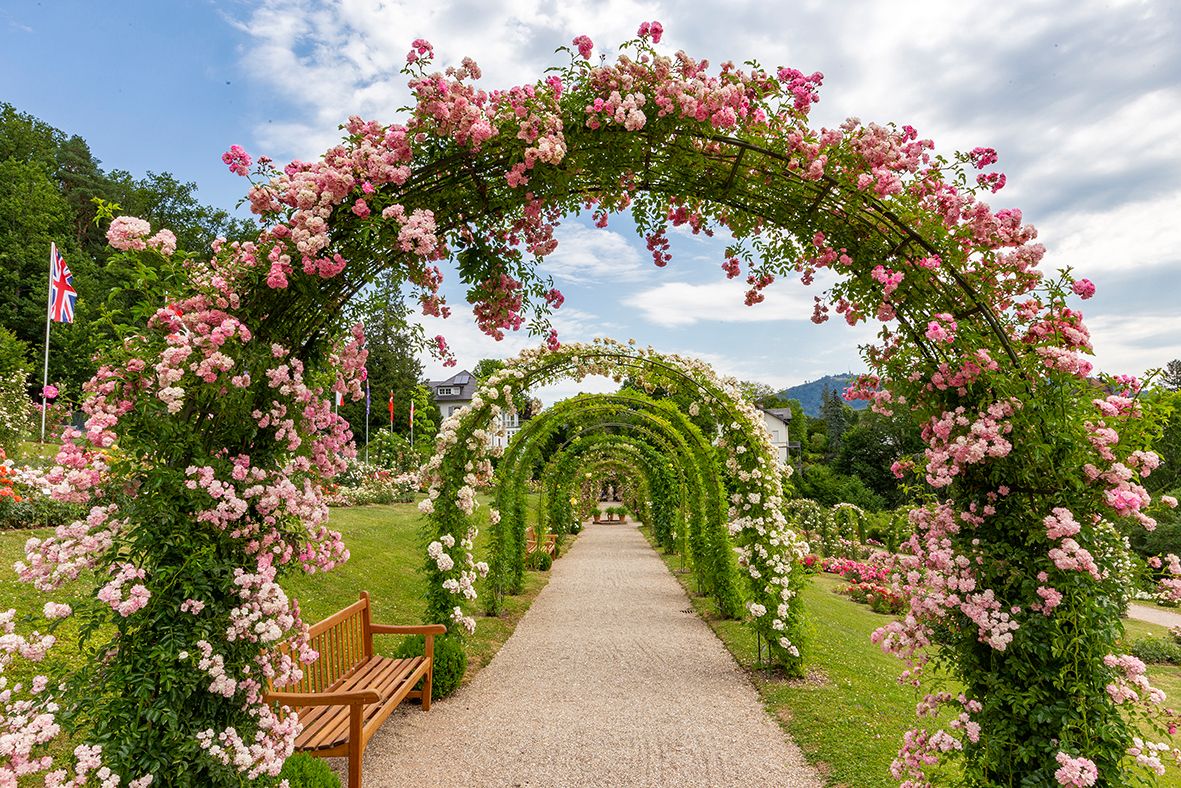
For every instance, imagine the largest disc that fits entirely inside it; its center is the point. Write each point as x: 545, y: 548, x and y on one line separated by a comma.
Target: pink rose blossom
x: 585, y: 46
x: 1076, y: 772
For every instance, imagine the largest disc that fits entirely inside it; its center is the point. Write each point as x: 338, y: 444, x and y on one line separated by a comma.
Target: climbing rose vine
x: 184, y: 543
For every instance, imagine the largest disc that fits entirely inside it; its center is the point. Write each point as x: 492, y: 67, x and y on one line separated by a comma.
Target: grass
x: 386, y: 552
x: 32, y: 451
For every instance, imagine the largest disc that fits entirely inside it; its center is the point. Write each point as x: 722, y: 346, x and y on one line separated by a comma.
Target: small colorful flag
x: 366, y: 399
x: 339, y: 399
x: 411, y: 413
x: 62, y: 294
x: 391, y: 409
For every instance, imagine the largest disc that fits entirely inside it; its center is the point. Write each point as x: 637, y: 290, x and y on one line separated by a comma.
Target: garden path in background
x: 609, y: 679
x: 1152, y: 615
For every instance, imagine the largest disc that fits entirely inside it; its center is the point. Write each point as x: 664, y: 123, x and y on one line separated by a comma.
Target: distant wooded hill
x: 809, y: 394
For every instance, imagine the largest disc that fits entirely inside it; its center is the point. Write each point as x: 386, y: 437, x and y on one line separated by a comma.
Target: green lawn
x: 32, y: 451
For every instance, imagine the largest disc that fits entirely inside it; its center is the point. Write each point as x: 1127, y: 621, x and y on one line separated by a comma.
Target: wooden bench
x: 348, y: 692
x: 550, y: 543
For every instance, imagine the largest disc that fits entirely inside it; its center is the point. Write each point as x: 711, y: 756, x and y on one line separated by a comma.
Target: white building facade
x: 457, y: 391
x: 777, y: 421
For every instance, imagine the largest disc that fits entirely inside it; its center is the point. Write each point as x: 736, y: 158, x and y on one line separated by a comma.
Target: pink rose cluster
x: 1084, y: 288
x: 584, y: 45
x: 1077, y: 772
x: 238, y: 160
x: 957, y: 440
x: 653, y: 30
x: 137, y: 595
x: 942, y: 329
x: 131, y: 234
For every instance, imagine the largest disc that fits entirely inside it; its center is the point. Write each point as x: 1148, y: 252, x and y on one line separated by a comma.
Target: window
x: 446, y: 391
x: 775, y: 436
x: 453, y: 408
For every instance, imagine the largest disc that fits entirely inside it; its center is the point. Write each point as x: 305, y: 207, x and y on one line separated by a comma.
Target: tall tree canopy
x: 49, y: 183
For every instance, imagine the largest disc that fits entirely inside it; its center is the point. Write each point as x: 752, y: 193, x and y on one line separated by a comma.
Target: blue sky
x: 1081, y: 99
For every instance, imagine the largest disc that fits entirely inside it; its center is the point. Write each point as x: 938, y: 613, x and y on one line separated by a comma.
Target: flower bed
x: 377, y: 487
x: 26, y: 499
x: 880, y: 598
x: 856, y: 571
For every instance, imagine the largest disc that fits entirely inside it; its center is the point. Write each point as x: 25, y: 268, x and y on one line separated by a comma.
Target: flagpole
x: 366, y: 420
x: 48, y: 322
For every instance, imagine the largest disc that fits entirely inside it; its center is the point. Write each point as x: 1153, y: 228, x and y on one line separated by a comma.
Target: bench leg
x: 354, y: 764
x: 430, y: 672
x: 356, y: 746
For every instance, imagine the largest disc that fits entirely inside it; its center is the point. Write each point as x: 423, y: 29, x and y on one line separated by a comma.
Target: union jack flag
x: 62, y: 294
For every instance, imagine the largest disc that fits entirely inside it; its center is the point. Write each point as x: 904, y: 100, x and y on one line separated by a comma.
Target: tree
x: 1172, y: 375
x: 393, y: 366
x: 760, y: 394
x: 51, y: 190
x: 828, y: 487
x: 871, y: 446
x: 1167, y: 477
x: 32, y: 214
x: 837, y: 417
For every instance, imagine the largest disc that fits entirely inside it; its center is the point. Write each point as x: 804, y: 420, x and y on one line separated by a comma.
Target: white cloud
x: 587, y: 255
x: 1123, y: 237
x: 675, y: 304
x: 333, y: 60
x: 1132, y: 344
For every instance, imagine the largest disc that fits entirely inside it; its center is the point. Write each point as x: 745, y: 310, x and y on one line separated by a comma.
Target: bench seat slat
x: 326, y: 727
x: 315, y: 718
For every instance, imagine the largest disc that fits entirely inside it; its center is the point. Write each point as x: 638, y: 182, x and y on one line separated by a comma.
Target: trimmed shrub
x: 1156, y: 650
x: 37, y: 511
x: 450, y: 662
x: 306, y: 771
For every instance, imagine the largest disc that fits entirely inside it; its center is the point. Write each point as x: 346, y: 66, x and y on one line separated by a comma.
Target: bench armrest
x: 408, y: 629
x: 344, y: 698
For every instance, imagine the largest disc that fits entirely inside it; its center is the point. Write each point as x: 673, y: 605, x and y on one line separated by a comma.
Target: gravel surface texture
x: 1154, y: 615
x: 610, y: 679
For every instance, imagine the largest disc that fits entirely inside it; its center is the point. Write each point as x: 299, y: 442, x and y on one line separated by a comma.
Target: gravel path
x: 1154, y: 615
x: 608, y: 680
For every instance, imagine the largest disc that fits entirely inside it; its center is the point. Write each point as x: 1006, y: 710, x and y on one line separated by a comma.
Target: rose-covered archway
x: 683, y: 477
x: 208, y: 435
x: 767, y: 550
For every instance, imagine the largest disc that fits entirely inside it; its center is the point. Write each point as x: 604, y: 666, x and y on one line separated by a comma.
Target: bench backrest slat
x: 340, y: 641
